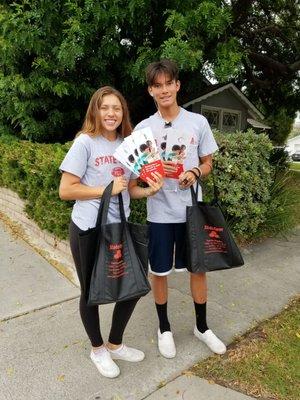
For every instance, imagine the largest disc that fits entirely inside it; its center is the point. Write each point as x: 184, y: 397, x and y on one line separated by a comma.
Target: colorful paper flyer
x: 126, y: 160
x: 139, y: 153
x: 145, y: 146
x: 176, y: 150
x: 149, y: 157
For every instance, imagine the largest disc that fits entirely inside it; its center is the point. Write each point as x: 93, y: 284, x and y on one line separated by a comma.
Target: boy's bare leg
x: 198, y: 285
x: 160, y: 289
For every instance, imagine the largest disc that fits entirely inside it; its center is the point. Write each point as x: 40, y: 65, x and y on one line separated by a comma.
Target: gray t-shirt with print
x: 91, y: 159
x: 169, y: 204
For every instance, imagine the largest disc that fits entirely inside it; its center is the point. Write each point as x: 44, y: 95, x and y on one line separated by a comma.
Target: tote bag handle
x: 195, y: 194
x: 104, y: 205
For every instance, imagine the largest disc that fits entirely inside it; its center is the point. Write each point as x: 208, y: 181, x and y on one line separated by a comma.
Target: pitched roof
x: 218, y: 88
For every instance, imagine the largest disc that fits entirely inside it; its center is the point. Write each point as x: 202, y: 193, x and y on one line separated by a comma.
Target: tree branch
x: 272, y: 65
x: 265, y: 84
x: 295, y: 66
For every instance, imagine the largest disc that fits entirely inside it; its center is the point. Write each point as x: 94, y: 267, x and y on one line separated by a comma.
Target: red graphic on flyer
x: 175, y: 150
x: 140, y: 154
x: 213, y: 242
x: 116, y: 266
x: 143, y: 155
x: 175, y: 175
x: 148, y: 169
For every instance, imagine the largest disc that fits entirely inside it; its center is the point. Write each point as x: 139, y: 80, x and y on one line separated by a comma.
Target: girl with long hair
x: 88, y: 167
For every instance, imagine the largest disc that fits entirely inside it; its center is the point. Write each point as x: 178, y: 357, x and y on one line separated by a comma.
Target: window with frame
x: 212, y: 116
x: 230, y: 121
x: 222, y: 119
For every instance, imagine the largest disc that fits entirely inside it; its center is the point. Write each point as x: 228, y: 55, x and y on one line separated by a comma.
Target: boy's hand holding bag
x: 114, y: 257
x: 210, y: 244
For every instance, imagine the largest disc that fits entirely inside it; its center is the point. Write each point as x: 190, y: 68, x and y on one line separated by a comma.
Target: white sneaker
x: 211, y: 340
x: 106, y: 366
x: 127, y: 354
x: 166, y: 345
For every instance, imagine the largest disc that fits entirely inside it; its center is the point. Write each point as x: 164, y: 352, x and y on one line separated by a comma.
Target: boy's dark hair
x: 163, y: 145
x: 131, y: 158
x: 165, y: 66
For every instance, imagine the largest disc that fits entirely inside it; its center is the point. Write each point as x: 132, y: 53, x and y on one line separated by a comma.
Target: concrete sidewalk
x: 44, y: 352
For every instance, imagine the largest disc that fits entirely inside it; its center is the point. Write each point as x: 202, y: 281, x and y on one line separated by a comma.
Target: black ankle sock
x: 164, y: 324
x: 200, y: 310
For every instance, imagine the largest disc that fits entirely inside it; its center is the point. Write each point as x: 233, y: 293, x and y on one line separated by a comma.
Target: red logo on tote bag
x: 116, y: 266
x: 214, y: 243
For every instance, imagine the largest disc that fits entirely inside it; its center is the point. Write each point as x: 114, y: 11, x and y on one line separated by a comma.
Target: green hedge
x: 242, y: 174
x: 31, y: 170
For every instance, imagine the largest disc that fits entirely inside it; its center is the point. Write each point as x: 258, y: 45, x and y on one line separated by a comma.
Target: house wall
x: 293, y: 145
x: 226, y: 99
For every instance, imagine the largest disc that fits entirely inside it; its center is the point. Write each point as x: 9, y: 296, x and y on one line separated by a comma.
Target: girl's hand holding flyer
x: 138, y: 152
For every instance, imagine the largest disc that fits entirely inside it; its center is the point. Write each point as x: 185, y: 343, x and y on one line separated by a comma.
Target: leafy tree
x: 54, y: 54
x: 257, y: 47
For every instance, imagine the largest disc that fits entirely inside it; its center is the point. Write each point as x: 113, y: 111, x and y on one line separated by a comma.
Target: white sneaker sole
x: 166, y: 355
x: 116, y: 357
x: 105, y: 373
x: 211, y: 347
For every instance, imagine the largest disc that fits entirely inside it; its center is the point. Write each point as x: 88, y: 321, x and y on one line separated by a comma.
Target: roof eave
x: 252, y: 109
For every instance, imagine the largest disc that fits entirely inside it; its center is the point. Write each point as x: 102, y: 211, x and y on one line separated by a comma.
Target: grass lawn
x: 295, y: 166
x: 283, y: 212
x: 265, y: 362
x: 295, y: 184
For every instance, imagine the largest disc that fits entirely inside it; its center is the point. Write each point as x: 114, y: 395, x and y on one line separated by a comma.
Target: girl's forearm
x: 78, y: 191
x: 137, y: 192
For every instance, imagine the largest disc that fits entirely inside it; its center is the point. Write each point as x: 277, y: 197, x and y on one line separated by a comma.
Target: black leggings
x: 89, y: 314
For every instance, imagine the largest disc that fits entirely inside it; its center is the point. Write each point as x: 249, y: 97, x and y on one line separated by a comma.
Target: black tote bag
x: 114, y: 258
x: 210, y: 244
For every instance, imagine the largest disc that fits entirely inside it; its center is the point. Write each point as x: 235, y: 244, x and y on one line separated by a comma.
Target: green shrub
x: 242, y: 174
x: 31, y: 170
x: 243, y: 177
x: 283, y: 212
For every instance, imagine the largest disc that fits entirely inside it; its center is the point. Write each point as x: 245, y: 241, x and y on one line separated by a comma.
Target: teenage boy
x: 166, y: 210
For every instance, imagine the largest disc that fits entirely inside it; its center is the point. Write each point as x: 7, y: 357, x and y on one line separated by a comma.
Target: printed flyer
x: 176, y: 150
x: 139, y: 153
x: 127, y: 160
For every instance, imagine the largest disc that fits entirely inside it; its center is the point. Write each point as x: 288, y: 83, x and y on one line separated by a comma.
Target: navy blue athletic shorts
x: 162, y: 240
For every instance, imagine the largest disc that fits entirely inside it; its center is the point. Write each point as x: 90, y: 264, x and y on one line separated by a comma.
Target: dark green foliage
x: 283, y: 206
x: 55, y: 53
x: 280, y: 159
x: 242, y: 172
x: 243, y: 177
x: 31, y: 170
x: 138, y: 211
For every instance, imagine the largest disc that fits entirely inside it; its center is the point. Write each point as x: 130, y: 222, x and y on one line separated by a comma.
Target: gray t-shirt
x: 91, y: 159
x: 169, y: 204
